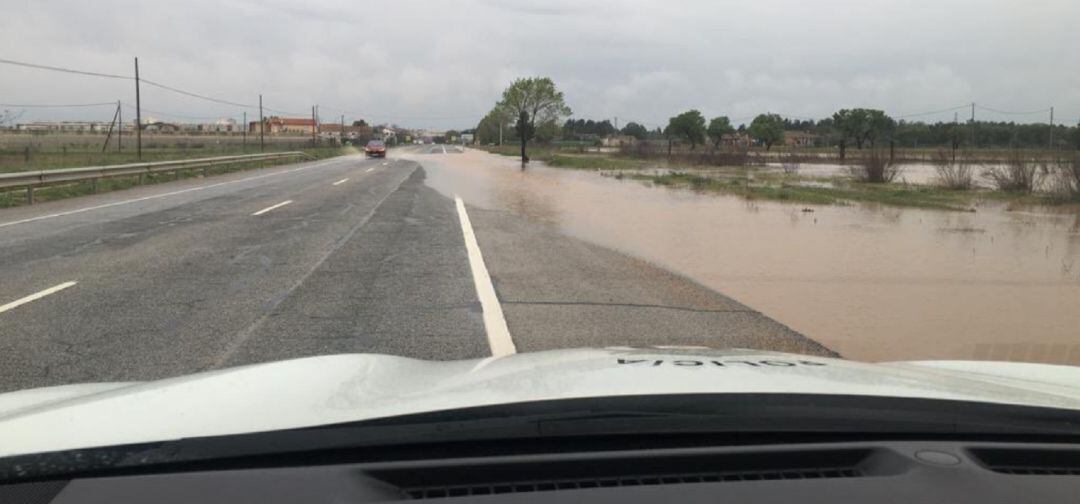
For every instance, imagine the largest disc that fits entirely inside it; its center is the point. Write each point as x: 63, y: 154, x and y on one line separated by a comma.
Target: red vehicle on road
x: 375, y: 148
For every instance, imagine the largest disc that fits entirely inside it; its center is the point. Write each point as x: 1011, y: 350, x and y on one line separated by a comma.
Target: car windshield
x: 264, y: 216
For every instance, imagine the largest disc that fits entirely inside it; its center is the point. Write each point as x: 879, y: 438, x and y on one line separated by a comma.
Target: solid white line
x: 269, y: 208
x: 494, y: 324
x: 155, y: 196
x: 342, y: 181
x: 444, y: 149
x: 36, y: 296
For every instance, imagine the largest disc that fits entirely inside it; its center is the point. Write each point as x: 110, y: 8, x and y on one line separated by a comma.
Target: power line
x: 65, y: 70
x: 196, y: 95
x: 286, y: 112
x: 51, y: 105
x: 932, y: 112
x: 1011, y: 112
x: 144, y: 81
x: 170, y: 114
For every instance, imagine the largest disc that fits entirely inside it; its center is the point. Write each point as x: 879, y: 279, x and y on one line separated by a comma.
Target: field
x: 22, y: 152
x: 775, y: 175
x: 19, y: 152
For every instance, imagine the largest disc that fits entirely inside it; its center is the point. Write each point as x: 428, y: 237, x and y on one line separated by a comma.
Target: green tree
x: 546, y: 132
x: 688, y: 126
x: 525, y: 131
x: 862, y: 126
x: 767, y: 129
x: 534, y: 101
x: 489, y: 129
x: 635, y: 130
x: 718, y: 127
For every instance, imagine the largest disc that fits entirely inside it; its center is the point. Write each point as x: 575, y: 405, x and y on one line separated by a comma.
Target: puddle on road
x: 874, y: 283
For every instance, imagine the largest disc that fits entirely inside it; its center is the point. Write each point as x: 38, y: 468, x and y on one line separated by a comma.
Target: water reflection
x: 872, y: 282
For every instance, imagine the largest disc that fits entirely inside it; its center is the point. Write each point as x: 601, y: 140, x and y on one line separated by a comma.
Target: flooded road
x: 873, y: 283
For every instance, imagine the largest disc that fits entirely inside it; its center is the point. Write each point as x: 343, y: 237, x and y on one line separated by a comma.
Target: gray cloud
x: 443, y: 64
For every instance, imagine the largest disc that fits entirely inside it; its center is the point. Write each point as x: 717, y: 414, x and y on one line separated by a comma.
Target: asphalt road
x: 335, y: 256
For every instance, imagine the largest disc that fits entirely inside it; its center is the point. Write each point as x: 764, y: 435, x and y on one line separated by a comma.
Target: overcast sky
x: 444, y: 63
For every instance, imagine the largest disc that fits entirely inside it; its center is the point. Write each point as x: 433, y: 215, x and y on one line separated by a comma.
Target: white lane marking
x: 342, y: 181
x: 174, y: 193
x: 494, y: 324
x: 36, y: 296
x: 369, y: 169
x: 444, y: 149
x: 269, y: 208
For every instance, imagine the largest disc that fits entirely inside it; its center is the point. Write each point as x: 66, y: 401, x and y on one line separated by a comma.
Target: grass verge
x: 17, y: 196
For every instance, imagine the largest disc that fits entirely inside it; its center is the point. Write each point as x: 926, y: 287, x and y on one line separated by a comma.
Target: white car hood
x: 343, y: 388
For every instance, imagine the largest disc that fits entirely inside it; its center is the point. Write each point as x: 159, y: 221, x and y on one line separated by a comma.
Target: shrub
x: 953, y: 172
x: 1015, y: 174
x: 1066, y: 176
x: 790, y: 164
x: 875, y: 167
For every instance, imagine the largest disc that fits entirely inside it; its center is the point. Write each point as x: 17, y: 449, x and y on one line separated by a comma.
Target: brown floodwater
x: 871, y: 282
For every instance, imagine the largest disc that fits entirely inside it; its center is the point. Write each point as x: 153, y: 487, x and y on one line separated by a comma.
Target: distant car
x: 375, y: 148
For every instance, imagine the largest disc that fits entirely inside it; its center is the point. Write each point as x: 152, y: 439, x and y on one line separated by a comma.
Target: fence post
x: 30, y: 195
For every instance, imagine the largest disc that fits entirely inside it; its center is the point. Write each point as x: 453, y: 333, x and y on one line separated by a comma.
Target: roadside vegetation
x: 33, y: 152
x: 71, y: 157
x: 1021, y: 164
x: 873, y: 178
x: 833, y: 192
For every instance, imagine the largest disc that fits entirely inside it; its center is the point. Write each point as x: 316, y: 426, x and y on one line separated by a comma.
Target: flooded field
x: 911, y: 173
x: 874, y: 283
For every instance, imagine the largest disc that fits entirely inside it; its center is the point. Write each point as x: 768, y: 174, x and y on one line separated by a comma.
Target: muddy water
x: 911, y: 173
x: 873, y: 283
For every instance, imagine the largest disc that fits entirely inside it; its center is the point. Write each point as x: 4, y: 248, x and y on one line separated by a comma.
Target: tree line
x: 532, y: 109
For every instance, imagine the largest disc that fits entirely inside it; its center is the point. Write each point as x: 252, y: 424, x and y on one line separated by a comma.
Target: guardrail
x: 38, y: 178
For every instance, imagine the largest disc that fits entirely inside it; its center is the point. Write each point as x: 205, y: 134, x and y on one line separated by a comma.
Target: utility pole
x: 262, y: 126
x: 1051, y: 128
x: 312, y: 126
x: 108, y: 136
x: 342, y: 137
x: 972, y: 125
x: 120, y: 129
x: 138, y: 115
x: 956, y: 133
x: 244, y: 132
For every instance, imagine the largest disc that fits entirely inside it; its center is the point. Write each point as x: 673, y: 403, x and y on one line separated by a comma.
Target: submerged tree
x: 535, y: 102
